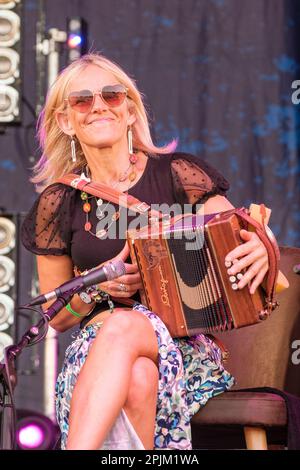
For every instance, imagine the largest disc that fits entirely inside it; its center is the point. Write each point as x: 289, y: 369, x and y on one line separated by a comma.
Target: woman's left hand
x: 252, y: 255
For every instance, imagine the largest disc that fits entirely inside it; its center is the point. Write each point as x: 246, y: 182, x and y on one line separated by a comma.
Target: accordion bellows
x: 185, y: 280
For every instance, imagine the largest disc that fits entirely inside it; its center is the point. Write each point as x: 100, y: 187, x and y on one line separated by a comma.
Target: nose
x: 98, y: 102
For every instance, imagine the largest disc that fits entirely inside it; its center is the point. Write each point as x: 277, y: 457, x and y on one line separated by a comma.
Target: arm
x: 55, y: 270
x: 217, y: 204
x: 251, y: 254
x: 52, y: 272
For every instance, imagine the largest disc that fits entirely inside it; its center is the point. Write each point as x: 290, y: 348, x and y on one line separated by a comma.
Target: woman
x: 125, y: 383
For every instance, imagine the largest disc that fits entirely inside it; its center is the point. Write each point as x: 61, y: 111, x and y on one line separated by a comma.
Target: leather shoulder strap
x: 105, y: 192
x: 101, y: 190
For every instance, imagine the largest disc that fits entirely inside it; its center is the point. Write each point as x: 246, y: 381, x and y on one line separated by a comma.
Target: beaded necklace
x: 101, y: 207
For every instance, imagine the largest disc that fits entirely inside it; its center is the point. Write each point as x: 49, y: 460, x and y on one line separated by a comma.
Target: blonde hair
x: 55, y: 144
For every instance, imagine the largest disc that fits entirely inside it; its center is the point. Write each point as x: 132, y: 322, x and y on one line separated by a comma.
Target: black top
x: 55, y: 224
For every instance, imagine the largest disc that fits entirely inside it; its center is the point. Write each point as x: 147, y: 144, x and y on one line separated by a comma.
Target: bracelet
x: 98, y: 295
x: 69, y: 308
x: 93, y: 293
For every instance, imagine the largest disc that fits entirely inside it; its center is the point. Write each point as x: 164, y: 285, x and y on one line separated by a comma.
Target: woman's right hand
x: 127, y: 284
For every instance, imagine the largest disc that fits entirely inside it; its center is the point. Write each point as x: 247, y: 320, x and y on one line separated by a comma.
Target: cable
x: 45, y: 324
x: 8, y: 389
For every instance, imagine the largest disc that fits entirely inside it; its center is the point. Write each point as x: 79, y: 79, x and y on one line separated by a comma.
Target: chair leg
x: 256, y: 438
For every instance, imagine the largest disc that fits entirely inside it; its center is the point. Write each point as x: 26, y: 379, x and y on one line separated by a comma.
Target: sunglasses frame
x: 99, y: 92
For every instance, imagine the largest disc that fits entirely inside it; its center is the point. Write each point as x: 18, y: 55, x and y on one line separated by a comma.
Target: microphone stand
x: 8, y: 373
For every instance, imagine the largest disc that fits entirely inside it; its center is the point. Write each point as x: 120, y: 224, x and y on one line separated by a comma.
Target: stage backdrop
x: 216, y: 74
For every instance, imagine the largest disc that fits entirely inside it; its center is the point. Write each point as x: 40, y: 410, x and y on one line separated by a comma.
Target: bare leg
x: 103, y: 384
x: 140, y: 406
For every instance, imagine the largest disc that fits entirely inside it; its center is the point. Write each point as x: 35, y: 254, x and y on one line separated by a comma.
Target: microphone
x: 107, y: 272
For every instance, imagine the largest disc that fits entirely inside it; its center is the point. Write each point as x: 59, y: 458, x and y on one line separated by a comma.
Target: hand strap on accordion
x: 269, y: 241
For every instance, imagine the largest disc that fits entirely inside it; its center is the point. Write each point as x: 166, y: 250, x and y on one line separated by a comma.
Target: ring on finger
x: 122, y: 287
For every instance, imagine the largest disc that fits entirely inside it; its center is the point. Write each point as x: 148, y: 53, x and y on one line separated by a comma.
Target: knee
x: 117, y: 326
x: 143, y: 383
x: 130, y: 332
x: 126, y: 325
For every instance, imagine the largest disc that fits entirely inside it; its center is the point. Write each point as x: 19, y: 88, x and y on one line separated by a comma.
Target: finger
x: 124, y: 253
x: 250, y: 273
x: 246, y: 261
x: 116, y: 290
x: 128, y: 278
x: 246, y: 235
x: 132, y: 285
x: 130, y: 290
x: 131, y: 268
x: 258, y: 280
x: 119, y: 293
x: 124, y: 294
x: 128, y: 281
x: 242, y: 250
x: 245, y: 248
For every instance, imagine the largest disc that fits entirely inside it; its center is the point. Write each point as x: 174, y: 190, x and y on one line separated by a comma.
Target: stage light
x: 30, y: 436
x: 34, y: 431
x: 10, y: 50
x: 76, y: 38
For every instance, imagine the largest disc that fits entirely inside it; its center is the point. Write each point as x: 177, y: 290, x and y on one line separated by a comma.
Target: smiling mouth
x: 97, y: 121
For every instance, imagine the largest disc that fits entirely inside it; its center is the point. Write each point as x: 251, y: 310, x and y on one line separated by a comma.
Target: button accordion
x: 185, y: 279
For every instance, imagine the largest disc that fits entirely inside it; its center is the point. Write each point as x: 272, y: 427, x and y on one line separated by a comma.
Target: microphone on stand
x: 107, y: 272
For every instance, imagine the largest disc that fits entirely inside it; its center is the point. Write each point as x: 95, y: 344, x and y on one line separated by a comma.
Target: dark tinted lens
x: 81, y: 100
x: 114, y: 95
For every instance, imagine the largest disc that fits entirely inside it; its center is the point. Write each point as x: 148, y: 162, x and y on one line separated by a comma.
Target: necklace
x: 101, y: 208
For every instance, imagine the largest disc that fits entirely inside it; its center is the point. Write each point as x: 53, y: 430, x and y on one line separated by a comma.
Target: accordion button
x: 239, y: 276
x: 234, y: 286
x: 232, y: 279
x: 228, y: 264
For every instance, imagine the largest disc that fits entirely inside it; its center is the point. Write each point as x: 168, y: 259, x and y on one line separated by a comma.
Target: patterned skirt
x: 190, y: 373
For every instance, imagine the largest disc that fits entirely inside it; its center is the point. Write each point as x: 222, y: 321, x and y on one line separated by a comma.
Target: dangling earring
x: 132, y: 156
x: 73, y: 150
x: 129, y: 137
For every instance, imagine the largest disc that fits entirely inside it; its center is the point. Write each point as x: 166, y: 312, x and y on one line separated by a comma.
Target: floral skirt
x: 190, y: 373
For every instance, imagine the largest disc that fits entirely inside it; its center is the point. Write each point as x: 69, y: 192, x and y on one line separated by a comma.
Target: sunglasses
x: 83, y: 100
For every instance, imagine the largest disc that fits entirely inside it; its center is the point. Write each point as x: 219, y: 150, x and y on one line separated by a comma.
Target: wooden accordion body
x: 185, y: 280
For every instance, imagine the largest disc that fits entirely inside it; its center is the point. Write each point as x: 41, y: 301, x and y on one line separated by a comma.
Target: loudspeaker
x: 9, y: 227
x: 10, y: 57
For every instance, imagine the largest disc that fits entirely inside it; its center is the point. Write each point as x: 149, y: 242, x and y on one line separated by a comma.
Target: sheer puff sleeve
x: 46, y: 229
x: 195, y: 180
